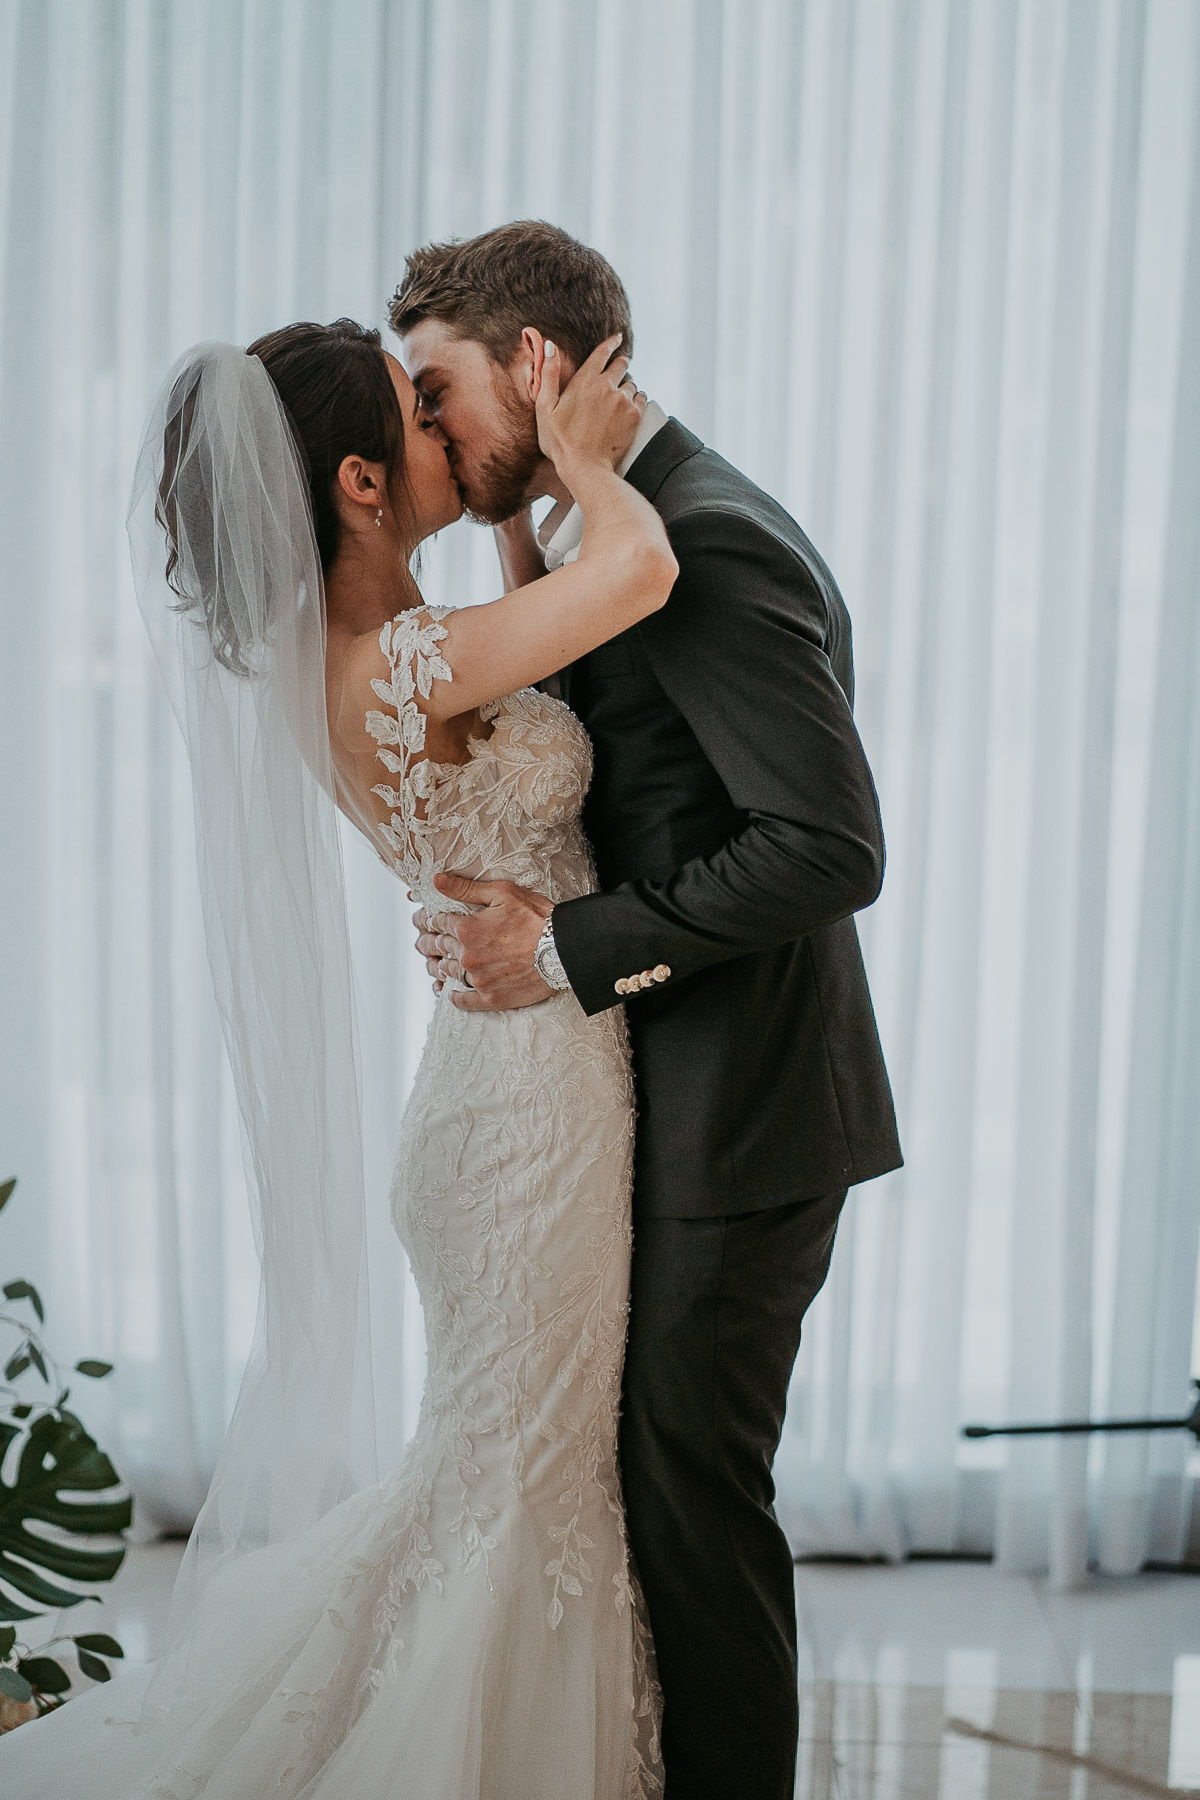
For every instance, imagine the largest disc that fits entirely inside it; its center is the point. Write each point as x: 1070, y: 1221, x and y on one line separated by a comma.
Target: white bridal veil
x: 229, y: 583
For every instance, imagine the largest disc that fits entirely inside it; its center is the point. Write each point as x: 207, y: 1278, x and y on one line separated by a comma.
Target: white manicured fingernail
x: 549, y: 350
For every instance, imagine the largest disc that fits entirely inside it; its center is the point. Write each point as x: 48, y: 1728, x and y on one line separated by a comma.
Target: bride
x: 466, y: 1628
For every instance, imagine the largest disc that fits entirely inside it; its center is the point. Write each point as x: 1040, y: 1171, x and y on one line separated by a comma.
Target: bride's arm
x: 625, y: 569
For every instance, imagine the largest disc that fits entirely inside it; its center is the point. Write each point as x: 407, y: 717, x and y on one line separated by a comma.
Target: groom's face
x: 486, y: 414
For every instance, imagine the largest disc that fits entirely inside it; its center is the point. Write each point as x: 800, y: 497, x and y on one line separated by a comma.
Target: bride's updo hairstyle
x: 337, y: 393
x: 334, y: 381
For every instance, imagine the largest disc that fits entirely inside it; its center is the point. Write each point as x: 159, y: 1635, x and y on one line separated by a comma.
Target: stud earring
x: 379, y: 516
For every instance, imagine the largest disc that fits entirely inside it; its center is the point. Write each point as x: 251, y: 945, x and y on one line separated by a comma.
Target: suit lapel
x: 665, y: 451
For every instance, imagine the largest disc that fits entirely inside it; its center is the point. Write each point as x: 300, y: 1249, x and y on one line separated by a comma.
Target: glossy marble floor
x: 949, y: 1680
x: 939, y: 1680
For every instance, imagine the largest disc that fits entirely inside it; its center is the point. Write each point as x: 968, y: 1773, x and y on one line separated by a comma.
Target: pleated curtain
x: 929, y: 271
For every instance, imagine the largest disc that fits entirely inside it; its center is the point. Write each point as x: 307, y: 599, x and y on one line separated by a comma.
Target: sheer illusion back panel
x: 509, y: 809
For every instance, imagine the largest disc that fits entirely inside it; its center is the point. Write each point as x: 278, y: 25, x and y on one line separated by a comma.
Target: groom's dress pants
x: 715, y: 1315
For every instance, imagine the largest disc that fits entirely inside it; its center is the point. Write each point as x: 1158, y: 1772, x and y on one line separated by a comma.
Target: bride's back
x: 493, y: 793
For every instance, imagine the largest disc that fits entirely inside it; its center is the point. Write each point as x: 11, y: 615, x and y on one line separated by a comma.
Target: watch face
x: 547, y: 961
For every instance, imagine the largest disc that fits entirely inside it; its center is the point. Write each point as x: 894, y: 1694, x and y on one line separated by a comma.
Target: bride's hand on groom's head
x: 593, y: 418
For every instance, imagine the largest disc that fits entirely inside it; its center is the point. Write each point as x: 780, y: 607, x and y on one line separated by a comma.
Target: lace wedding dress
x: 468, y: 1629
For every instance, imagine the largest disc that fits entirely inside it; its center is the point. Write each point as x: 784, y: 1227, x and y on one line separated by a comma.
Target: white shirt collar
x: 561, y: 531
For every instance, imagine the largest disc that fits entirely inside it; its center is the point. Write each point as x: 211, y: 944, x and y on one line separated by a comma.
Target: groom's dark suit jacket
x: 737, y: 832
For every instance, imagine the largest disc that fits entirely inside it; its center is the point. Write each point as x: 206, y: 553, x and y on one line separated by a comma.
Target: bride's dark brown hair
x: 334, y: 383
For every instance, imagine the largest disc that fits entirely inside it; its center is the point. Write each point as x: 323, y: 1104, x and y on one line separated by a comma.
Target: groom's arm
x: 521, y: 561
x: 742, y: 650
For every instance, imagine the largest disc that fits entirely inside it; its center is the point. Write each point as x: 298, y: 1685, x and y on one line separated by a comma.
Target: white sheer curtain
x: 930, y: 271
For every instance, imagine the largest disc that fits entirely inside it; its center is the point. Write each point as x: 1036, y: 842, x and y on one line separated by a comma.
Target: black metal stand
x: 1072, y: 1427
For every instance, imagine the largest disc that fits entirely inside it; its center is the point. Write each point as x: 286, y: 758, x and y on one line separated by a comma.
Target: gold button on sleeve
x: 661, y: 973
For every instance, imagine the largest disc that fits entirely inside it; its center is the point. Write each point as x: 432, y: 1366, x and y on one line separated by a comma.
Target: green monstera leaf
x: 46, y: 1517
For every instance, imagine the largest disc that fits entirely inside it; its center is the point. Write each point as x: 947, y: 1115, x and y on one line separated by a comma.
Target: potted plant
x: 59, y: 1497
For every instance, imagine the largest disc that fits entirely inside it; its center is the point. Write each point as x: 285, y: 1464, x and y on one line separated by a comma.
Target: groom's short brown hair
x: 528, y: 273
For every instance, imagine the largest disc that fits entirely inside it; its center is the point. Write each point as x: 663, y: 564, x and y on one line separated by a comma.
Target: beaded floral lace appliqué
x: 499, y: 1542
x: 410, y: 644
x: 496, y: 1149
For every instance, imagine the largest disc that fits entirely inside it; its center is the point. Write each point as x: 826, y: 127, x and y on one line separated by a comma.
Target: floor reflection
x: 882, y: 1743
x: 939, y: 1682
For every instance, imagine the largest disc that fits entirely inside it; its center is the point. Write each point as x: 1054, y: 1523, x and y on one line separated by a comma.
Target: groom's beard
x: 500, y: 487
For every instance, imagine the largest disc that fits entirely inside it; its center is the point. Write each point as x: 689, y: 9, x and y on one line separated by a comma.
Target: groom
x: 736, y: 833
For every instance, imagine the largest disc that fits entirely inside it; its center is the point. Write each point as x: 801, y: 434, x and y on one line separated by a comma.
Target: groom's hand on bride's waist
x: 491, y: 949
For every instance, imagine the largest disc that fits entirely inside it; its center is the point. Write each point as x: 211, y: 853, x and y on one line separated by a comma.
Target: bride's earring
x: 379, y: 516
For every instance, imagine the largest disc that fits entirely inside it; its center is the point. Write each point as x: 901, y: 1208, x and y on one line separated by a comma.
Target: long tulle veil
x: 229, y: 583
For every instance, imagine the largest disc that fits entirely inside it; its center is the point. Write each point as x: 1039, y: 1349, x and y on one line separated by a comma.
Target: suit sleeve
x: 742, y: 649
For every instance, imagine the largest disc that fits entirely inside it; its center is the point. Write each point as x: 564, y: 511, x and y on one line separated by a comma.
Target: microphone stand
x: 1071, y: 1427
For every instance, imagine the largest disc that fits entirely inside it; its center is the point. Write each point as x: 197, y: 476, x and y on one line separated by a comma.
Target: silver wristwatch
x: 547, y: 961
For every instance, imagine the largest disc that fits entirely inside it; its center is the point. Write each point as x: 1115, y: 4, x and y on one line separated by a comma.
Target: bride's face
x: 432, y: 492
